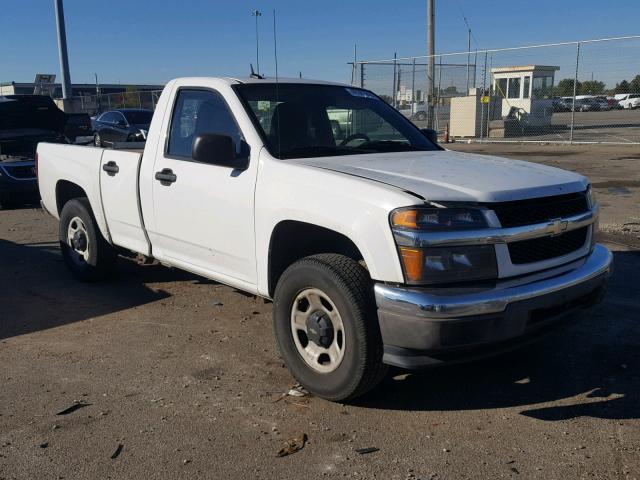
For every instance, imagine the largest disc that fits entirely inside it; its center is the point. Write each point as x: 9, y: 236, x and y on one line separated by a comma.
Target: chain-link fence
x: 95, y: 104
x: 575, y: 92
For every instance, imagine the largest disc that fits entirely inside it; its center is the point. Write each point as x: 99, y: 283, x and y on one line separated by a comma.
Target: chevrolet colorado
x: 377, y: 246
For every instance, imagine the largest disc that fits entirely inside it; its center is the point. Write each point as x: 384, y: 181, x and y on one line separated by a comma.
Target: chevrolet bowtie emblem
x: 557, y: 226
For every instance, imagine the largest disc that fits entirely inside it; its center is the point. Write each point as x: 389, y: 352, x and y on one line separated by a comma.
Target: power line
x: 466, y: 22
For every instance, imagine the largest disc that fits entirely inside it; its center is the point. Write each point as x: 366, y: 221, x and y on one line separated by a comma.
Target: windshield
x: 138, y: 117
x: 304, y: 120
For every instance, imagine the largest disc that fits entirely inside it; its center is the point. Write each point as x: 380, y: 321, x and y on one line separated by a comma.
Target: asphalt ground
x: 608, y: 127
x: 169, y: 375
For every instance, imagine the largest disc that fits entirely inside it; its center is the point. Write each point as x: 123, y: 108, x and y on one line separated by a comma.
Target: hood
x: 30, y: 112
x: 26, y: 120
x: 456, y: 176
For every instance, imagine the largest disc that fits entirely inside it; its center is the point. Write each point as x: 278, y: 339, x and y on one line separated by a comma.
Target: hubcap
x: 318, y: 331
x: 78, y: 240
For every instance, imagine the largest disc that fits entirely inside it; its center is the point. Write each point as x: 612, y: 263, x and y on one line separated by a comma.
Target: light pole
x: 430, y: 64
x: 62, y: 49
x: 257, y: 13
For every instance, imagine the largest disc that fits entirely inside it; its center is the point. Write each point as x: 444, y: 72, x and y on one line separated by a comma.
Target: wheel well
x: 292, y: 240
x: 66, y: 191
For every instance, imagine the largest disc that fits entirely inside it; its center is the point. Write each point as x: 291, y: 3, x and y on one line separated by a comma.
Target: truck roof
x: 266, y: 80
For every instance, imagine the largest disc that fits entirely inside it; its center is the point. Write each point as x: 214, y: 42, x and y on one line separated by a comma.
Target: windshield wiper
x: 389, y: 146
x: 317, y: 151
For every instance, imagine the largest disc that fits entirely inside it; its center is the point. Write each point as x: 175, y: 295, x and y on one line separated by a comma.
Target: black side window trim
x: 166, y: 153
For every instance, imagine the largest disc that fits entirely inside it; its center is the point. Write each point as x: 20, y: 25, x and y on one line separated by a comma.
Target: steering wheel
x: 355, y: 136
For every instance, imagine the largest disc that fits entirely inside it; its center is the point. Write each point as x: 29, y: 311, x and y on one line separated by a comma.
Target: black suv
x: 25, y: 120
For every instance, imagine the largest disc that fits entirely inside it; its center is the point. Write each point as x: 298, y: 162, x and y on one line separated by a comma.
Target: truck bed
x: 114, y: 197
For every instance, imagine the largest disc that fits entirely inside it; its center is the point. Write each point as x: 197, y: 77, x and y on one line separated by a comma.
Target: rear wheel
x: 85, y: 251
x: 326, y: 326
x: 421, y: 116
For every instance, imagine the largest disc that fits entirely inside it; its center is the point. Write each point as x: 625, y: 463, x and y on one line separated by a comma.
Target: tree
x: 565, y: 88
x: 591, y: 87
x: 131, y: 97
x: 450, y: 90
x: 634, y: 85
x: 622, y: 87
x: 387, y: 98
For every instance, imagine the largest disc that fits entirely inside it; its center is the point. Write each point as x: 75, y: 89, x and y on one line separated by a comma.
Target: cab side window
x: 197, y: 112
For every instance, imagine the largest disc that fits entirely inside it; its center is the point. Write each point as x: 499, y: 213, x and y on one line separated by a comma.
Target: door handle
x: 166, y: 176
x: 111, y: 168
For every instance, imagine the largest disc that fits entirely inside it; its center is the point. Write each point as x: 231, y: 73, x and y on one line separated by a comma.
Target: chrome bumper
x: 427, y: 304
x: 423, y: 327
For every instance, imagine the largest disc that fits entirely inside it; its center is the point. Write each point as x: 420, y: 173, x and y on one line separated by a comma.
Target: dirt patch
x: 617, y: 184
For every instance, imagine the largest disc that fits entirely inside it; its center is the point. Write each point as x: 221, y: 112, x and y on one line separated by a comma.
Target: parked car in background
x: 122, y: 125
x: 602, y: 102
x: 78, y: 128
x: 613, y: 103
x: 630, y: 101
x: 587, y: 105
x: 562, y: 104
x: 25, y: 120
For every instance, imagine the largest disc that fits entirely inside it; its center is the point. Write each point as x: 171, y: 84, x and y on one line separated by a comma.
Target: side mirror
x: 219, y: 150
x: 121, y: 123
x: 430, y: 134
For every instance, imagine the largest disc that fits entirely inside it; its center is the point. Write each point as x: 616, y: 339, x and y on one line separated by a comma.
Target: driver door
x: 203, y: 219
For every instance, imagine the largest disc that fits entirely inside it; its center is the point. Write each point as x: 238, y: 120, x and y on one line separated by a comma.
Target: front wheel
x: 421, y: 116
x: 85, y: 251
x: 326, y: 327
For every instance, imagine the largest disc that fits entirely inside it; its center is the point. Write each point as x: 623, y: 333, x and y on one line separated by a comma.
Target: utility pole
x: 62, y: 50
x: 468, y: 59
x: 431, y: 65
x: 257, y: 13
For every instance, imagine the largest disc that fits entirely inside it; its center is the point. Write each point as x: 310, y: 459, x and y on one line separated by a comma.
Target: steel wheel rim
x: 78, y: 241
x: 322, y: 359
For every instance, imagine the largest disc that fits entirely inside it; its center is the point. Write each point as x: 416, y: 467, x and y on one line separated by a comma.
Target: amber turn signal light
x: 413, y: 262
x: 405, y: 219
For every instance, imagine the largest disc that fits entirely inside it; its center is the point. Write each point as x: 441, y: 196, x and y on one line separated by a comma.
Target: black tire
x: 101, y: 257
x: 349, y: 287
x: 421, y: 116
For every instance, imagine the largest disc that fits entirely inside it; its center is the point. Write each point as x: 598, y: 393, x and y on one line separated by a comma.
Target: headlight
x: 591, y: 197
x: 448, y: 264
x: 437, y: 219
x: 432, y: 265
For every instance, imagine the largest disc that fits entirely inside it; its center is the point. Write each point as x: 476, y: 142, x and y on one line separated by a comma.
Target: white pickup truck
x: 377, y: 246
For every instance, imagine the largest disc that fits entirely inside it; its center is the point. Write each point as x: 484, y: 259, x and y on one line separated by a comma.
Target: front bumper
x: 426, y: 326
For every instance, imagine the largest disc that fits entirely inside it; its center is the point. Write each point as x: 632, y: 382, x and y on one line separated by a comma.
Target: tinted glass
x: 501, y: 87
x: 109, y: 117
x: 514, y: 88
x: 138, y: 117
x: 197, y: 112
x: 542, y: 87
x: 304, y: 120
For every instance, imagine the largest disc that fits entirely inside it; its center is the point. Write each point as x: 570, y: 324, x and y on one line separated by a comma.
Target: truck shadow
x: 594, y: 359
x: 37, y: 292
